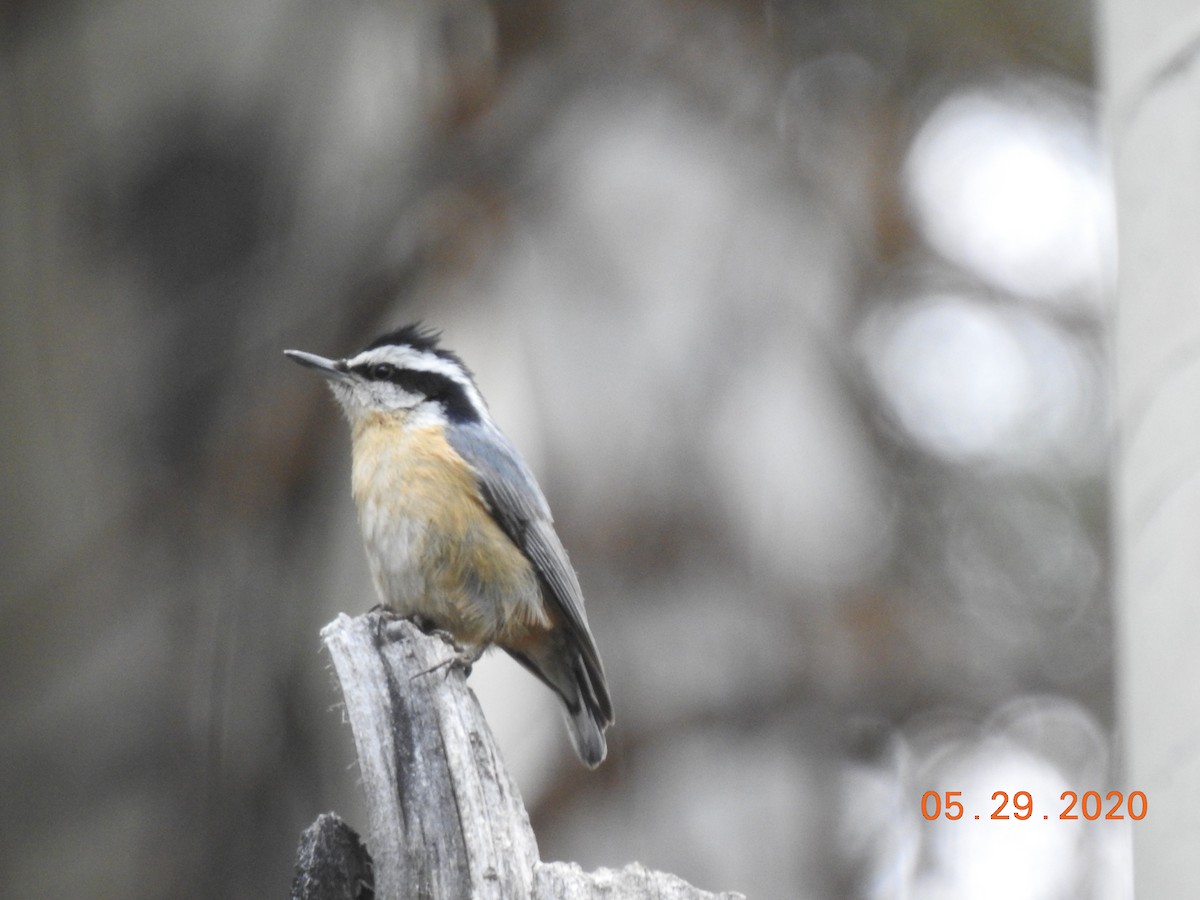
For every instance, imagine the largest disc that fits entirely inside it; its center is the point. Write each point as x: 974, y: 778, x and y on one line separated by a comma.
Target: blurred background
x: 796, y: 309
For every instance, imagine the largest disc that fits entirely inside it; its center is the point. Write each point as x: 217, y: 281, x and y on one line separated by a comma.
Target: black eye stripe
x: 432, y: 385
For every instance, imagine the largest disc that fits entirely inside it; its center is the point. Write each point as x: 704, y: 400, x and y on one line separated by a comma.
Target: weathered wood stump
x: 445, y: 819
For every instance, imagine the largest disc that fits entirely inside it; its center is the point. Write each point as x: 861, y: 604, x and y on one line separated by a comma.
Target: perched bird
x: 457, y: 531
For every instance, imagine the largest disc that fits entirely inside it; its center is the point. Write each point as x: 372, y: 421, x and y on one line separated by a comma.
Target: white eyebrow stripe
x: 423, y: 361
x: 428, y: 363
x: 397, y: 356
x: 407, y: 358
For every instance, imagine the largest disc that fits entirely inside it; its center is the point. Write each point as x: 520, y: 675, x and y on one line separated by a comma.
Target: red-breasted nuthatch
x: 457, y: 531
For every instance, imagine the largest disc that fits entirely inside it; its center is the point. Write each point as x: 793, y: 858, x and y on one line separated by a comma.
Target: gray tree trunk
x: 1152, y: 78
x: 446, y: 821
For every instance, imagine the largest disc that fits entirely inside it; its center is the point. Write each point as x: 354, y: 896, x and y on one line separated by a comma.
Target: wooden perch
x: 445, y: 819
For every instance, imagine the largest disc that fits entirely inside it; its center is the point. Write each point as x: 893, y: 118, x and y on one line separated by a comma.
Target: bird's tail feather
x: 586, y: 704
x: 587, y: 736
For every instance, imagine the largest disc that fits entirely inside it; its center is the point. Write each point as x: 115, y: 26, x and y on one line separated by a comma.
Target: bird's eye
x: 383, y: 371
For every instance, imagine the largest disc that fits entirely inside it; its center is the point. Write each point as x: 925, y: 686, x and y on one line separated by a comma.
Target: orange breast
x: 434, y: 548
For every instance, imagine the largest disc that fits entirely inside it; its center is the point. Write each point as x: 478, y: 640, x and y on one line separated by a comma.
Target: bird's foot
x: 464, y: 657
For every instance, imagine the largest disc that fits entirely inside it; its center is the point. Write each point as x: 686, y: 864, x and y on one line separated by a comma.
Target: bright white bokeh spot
x: 1011, y: 186
x: 1040, y: 745
x: 974, y: 380
x: 954, y: 376
x: 1009, y: 859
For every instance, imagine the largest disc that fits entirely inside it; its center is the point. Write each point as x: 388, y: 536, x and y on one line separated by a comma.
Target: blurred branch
x: 445, y: 817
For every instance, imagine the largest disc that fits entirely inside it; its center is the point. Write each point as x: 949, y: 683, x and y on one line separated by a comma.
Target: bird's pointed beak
x: 333, y: 369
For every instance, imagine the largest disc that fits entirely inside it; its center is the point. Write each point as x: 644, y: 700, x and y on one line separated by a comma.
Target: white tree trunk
x: 1152, y: 79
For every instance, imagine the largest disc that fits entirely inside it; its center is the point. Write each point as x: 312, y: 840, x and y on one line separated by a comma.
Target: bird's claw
x: 462, y: 658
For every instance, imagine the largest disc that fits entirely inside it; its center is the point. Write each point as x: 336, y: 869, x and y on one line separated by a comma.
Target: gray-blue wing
x: 520, y: 509
x: 505, y: 480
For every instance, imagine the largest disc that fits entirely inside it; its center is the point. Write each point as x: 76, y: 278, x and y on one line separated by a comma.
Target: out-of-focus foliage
x: 793, y: 307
